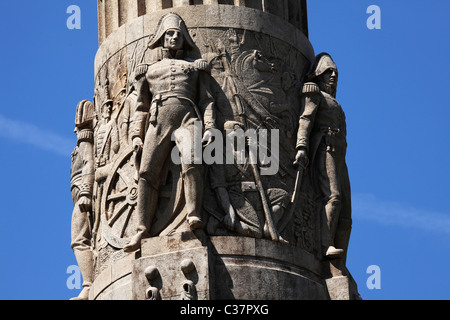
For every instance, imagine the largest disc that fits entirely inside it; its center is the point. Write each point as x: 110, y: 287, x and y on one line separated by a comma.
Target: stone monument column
x: 241, y: 66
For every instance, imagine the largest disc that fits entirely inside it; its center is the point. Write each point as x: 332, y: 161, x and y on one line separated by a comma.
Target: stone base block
x: 342, y: 288
x: 258, y: 269
x: 172, y: 268
x: 188, y: 266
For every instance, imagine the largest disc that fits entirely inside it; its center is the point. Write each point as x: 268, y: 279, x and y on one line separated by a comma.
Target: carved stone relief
x: 254, y: 82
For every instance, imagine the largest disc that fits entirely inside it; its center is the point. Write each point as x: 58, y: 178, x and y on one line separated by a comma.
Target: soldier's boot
x: 334, y: 253
x: 147, y: 202
x: 332, y: 210
x: 343, y: 232
x: 193, y: 192
x: 85, y: 262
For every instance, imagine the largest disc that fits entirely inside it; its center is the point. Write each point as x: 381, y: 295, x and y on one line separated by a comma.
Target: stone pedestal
x: 342, y: 288
x: 173, y: 268
x: 248, y: 268
x: 114, y: 282
x: 188, y: 266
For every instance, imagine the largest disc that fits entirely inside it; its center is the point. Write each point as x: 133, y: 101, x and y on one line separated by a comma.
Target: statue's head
x: 107, y: 109
x: 324, y: 72
x: 172, y: 34
x: 173, y: 39
x: 232, y: 125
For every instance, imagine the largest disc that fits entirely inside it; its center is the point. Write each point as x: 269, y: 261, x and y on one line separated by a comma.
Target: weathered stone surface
x: 248, y: 268
x: 182, y: 270
x: 114, y: 282
x: 342, y: 288
x: 115, y: 13
x: 147, y: 227
x: 217, y: 267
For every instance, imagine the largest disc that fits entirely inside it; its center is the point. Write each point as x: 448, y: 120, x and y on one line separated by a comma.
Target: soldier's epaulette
x: 140, y: 70
x: 202, y: 65
x: 310, y: 87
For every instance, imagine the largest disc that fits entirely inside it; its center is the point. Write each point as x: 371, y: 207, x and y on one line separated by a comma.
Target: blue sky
x: 393, y: 86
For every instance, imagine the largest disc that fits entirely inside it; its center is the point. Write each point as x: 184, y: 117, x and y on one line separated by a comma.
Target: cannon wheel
x: 119, y: 200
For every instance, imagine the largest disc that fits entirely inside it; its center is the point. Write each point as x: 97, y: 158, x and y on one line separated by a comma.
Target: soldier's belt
x: 165, y: 99
x: 332, y: 131
x: 331, y: 134
x: 244, y: 186
x: 329, y: 131
x: 172, y: 97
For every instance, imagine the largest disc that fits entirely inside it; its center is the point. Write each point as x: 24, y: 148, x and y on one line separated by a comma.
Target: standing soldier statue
x: 82, y: 180
x: 172, y: 93
x: 321, y: 139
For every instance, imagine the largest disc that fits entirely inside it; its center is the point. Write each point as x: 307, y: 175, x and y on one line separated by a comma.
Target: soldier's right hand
x: 137, y: 144
x: 301, y: 158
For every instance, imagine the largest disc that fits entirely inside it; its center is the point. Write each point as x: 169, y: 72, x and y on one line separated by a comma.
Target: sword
x: 267, y: 212
x: 294, y: 199
x: 135, y: 159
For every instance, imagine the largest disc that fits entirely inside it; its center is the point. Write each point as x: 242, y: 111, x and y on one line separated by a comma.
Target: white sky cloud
x: 30, y: 134
x: 368, y: 207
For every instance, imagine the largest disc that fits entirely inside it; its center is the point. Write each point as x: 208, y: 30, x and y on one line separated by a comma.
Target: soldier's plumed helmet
x: 84, y: 114
x: 322, y: 63
x: 174, y: 22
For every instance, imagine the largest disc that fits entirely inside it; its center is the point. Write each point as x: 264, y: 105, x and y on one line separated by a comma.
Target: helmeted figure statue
x: 172, y: 93
x: 82, y: 180
x: 321, y: 139
x: 106, y: 136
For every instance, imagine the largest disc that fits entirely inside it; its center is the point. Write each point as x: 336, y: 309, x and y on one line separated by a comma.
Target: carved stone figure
x: 272, y: 220
x: 107, y: 136
x: 236, y: 188
x: 172, y: 93
x: 322, y: 139
x: 82, y: 180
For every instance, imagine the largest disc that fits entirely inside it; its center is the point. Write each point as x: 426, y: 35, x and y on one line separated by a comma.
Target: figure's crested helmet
x: 322, y: 63
x: 84, y: 114
x: 171, y: 21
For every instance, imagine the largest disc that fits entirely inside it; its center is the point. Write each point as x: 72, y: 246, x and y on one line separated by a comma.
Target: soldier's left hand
x: 85, y: 204
x: 207, y: 138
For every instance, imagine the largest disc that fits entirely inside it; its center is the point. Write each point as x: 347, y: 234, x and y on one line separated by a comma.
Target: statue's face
x: 173, y: 39
x: 106, y: 111
x: 329, y: 77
